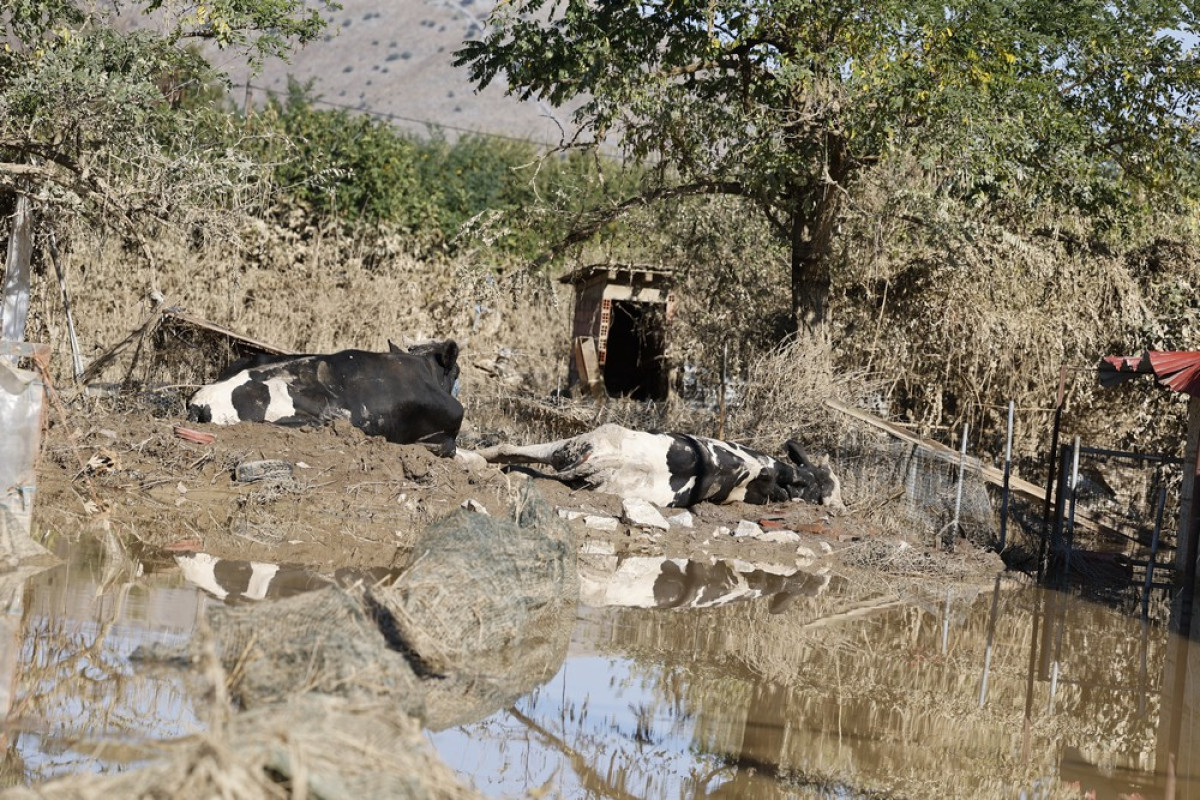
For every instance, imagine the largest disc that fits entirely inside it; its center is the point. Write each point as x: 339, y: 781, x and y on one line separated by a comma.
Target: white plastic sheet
x: 21, y: 399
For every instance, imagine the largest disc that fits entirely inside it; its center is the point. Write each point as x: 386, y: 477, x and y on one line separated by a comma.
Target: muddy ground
x: 355, y: 501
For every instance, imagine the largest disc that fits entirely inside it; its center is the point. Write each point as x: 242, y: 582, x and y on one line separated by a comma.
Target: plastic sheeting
x: 21, y: 399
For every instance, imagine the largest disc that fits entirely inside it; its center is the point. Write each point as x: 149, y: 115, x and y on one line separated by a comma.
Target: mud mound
x: 334, y: 681
x: 343, y: 498
x: 483, y: 614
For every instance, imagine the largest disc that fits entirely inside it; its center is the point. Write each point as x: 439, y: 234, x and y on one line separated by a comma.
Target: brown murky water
x: 683, y: 680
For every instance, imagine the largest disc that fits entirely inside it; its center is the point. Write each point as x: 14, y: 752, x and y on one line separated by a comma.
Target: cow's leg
x: 546, y: 453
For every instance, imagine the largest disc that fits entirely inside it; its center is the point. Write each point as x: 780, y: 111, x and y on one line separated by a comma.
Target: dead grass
x: 319, y: 292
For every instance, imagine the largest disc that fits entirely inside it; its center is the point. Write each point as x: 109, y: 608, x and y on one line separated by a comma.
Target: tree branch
x: 13, y: 176
x: 584, y: 232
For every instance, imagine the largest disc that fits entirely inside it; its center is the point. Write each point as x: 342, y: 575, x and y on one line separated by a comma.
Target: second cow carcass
x: 676, y: 469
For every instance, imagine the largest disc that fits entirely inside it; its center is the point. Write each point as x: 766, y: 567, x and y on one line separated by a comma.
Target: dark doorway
x: 634, y: 363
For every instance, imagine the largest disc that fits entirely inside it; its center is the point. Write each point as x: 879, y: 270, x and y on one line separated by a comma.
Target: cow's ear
x: 392, y: 348
x: 447, y: 356
x: 796, y: 454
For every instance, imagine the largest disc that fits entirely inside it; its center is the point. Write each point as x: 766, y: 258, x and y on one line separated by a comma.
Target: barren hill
x: 393, y: 59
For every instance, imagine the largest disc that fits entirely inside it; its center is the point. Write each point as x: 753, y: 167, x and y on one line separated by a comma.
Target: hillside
x: 393, y: 59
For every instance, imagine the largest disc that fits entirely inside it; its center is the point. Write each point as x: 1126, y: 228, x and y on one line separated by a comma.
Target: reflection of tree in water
x: 72, y: 684
x: 872, y: 690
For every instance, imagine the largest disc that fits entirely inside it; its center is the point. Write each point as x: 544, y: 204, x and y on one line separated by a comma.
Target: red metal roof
x: 1178, y: 370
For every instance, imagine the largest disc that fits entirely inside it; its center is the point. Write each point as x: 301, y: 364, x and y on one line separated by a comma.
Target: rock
x: 598, y: 547
x: 251, y: 471
x: 599, y: 523
x: 747, y: 528
x: 569, y: 514
x: 681, y: 520
x: 721, y: 530
x: 780, y: 537
x: 469, y: 459
x: 825, y: 547
x: 638, y: 512
x: 471, y: 504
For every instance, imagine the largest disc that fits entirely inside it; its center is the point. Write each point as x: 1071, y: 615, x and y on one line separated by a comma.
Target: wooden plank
x: 587, y: 363
x: 199, y: 322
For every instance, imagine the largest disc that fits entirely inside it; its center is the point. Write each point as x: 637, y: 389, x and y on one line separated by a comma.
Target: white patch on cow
x: 219, y: 398
x: 260, y: 580
x: 200, y: 569
x: 280, y: 406
x: 629, y: 585
x: 631, y: 464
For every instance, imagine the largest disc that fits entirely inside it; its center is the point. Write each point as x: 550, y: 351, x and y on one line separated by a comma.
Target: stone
x: 683, y: 519
x: 642, y: 514
x: 780, y: 537
x: 598, y: 547
x: 748, y: 528
x: 599, y: 523
x: 471, y: 504
x: 806, y: 553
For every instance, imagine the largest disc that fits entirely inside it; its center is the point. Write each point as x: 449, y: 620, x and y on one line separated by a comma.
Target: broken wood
x: 587, y: 362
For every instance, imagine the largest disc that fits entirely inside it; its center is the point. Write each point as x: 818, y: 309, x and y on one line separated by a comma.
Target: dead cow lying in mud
x: 675, y: 469
x: 403, y: 396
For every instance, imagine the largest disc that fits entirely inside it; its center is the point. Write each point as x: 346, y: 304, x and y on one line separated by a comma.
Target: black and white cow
x: 675, y: 469
x: 405, y: 397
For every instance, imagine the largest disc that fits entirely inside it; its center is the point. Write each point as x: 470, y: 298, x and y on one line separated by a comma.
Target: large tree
x: 1084, y: 104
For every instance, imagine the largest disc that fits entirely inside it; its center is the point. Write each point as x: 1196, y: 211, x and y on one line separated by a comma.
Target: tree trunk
x: 815, y: 208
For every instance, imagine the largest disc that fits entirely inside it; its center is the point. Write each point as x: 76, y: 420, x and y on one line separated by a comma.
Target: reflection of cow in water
x: 676, y: 469
x: 656, y: 582
x: 238, y: 581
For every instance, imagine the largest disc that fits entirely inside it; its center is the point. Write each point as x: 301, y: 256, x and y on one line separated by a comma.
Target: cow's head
x: 442, y: 357
x: 812, y: 483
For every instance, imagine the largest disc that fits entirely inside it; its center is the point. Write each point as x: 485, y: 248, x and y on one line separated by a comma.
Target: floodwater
x: 683, y: 679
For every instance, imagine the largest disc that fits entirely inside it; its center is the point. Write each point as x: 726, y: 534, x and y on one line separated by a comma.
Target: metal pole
x: 991, y: 638
x: 1007, y: 476
x: 76, y: 354
x: 946, y: 625
x: 1058, y: 533
x: 1158, y: 515
x: 1071, y: 505
x: 1058, y: 407
x: 1053, y: 684
x: 912, y: 478
x: 962, y: 463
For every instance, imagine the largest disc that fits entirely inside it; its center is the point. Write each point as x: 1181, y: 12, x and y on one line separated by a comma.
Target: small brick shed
x: 621, y: 312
